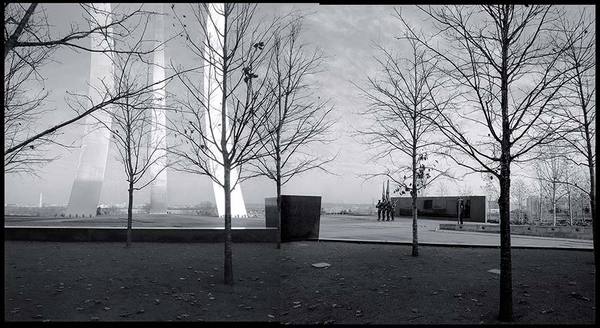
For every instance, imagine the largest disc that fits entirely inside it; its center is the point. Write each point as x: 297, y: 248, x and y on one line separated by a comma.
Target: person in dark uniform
x: 392, y: 207
x: 379, y: 209
x: 387, y: 210
x: 460, y: 210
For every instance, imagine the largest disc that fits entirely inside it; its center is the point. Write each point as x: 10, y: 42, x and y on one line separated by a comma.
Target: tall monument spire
x: 215, y: 25
x: 87, y: 186
x: 158, y: 192
x: 387, y: 191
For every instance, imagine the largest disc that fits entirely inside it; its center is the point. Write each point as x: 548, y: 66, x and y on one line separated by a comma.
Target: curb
x: 515, y: 235
x: 365, y: 241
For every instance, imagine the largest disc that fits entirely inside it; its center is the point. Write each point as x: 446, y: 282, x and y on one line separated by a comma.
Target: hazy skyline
x: 345, y: 34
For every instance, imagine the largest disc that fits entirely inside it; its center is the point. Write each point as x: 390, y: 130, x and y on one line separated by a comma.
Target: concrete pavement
x: 345, y: 227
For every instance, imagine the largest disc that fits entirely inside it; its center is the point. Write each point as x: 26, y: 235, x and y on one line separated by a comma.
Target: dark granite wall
x: 300, y: 216
x: 444, y: 207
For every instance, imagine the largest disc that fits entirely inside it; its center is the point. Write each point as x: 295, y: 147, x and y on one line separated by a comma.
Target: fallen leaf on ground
x: 579, y: 297
x: 321, y: 265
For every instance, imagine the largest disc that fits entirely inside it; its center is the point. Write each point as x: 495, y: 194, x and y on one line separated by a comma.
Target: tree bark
x: 278, y: 182
x: 228, y: 265
x: 554, y: 203
x: 228, y: 254
x: 130, y: 213
x: 415, y: 243
x: 506, y: 308
x: 540, y: 207
x: 595, y: 223
x: 570, y: 208
x: 505, y: 247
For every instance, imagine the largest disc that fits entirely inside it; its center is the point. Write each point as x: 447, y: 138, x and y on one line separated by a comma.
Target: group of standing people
x: 385, y: 207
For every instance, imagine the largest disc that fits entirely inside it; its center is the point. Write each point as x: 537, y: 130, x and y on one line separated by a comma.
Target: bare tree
x: 299, y: 118
x: 580, y: 108
x: 464, y: 189
x: 492, y: 192
x: 29, y: 43
x: 442, y: 188
x: 551, y: 169
x: 29, y: 28
x: 581, y: 200
x: 573, y: 181
x: 132, y: 127
x: 490, y: 188
x: 506, y: 63
x: 220, y: 126
x: 400, y: 103
x: 24, y: 104
x: 519, y: 192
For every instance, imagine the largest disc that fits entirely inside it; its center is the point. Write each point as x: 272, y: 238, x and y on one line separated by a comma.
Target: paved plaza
x: 338, y: 227
x: 400, y: 230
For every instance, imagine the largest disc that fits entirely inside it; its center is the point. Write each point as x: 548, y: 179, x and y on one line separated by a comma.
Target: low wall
x: 176, y: 235
x: 526, y: 230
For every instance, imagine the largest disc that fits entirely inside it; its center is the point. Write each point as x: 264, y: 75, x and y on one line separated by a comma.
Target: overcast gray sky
x: 346, y: 35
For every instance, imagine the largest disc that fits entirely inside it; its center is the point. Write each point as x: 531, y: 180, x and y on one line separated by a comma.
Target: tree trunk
x: 540, y: 207
x: 278, y: 182
x: 415, y: 243
x: 505, y: 247
x: 129, y: 214
x: 554, y: 204
x: 570, y: 208
x: 595, y: 226
x: 228, y: 254
x: 415, y: 230
x: 506, y: 308
x: 228, y: 265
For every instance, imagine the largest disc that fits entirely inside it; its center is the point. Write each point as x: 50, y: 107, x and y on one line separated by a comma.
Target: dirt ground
x: 384, y: 284
x: 366, y: 283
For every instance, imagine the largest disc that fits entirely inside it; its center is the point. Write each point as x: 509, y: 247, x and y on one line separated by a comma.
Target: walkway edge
x: 366, y: 241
